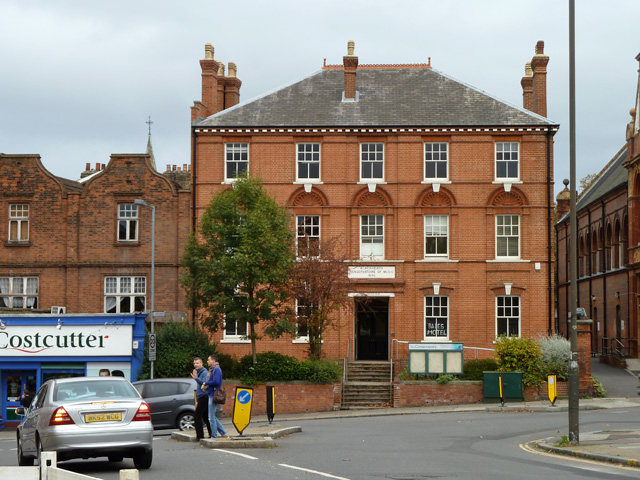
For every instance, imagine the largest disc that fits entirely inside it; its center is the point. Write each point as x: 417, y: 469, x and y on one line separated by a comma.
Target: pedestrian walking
x: 202, y: 400
x: 214, y: 381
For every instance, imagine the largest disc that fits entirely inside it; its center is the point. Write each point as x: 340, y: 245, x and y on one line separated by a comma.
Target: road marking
x: 312, y: 471
x: 236, y: 453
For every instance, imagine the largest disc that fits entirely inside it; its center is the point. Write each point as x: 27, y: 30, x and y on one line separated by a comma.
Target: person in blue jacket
x: 199, y: 374
x: 214, y: 380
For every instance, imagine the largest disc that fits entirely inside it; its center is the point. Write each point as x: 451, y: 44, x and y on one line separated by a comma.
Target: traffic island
x: 259, y: 436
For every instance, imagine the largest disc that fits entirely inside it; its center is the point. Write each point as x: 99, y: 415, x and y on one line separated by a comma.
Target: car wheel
x: 22, y: 460
x: 115, y: 458
x: 143, y: 460
x: 186, y: 421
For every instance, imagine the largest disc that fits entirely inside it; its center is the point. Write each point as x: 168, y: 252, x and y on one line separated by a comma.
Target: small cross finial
x: 149, y: 122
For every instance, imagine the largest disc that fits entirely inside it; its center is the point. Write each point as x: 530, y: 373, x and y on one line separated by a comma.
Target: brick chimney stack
x: 563, y: 200
x: 350, y: 66
x: 527, y: 87
x: 539, y: 64
x: 232, y: 87
x: 209, y: 104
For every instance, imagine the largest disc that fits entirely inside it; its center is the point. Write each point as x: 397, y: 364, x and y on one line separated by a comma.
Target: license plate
x: 103, y: 417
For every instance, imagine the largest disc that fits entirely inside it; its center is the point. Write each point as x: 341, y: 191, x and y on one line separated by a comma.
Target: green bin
x: 511, y: 386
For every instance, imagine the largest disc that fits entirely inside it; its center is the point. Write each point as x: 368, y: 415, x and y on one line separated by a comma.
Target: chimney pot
x: 220, y: 69
x: 540, y: 47
x: 97, y: 166
x: 208, y: 51
x: 87, y: 167
x: 233, y: 69
x: 184, y: 167
x: 351, y: 45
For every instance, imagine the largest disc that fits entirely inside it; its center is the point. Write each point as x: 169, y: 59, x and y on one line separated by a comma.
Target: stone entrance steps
x: 367, y: 384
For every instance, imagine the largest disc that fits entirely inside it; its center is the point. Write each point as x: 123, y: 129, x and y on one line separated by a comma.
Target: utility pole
x: 574, y: 372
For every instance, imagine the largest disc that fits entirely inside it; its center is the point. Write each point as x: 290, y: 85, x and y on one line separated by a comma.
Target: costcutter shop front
x: 35, y: 348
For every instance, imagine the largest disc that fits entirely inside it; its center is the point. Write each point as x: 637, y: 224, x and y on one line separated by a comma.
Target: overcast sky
x: 78, y: 79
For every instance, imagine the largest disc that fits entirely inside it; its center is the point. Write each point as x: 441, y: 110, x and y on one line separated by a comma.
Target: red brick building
x: 608, y: 254
x: 85, y: 245
x: 441, y: 193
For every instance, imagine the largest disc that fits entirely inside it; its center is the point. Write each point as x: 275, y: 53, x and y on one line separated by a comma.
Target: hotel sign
x: 69, y: 341
x: 372, y: 271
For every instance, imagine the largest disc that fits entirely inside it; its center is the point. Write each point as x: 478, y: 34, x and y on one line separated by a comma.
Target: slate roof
x: 610, y: 178
x: 391, y: 97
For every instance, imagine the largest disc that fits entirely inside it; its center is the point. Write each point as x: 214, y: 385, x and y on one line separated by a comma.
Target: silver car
x: 85, y: 417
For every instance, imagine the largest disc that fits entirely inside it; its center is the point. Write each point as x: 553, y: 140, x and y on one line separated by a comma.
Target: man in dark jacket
x: 202, y: 400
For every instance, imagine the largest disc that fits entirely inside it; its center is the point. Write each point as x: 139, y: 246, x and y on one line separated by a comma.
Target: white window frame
x: 308, y: 154
x: 440, y: 154
x: 506, y: 232
x: 505, y: 312
x: 236, y: 153
x: 128, y: 221
x: 19, y: 292
x: 368, y: 238
x: 507, y: 149
x: 443, y: 305
x: 300, y: 338
x: 122, y: 287
x: 307, y: 232
x: 365, y: 158
x: 18, y: 217
x: 235, y: 337
x: 436, y: 235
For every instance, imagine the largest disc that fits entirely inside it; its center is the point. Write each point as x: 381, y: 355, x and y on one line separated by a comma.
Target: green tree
x: 237, y: 266
x: 320, y: 286
x: 177, y: 344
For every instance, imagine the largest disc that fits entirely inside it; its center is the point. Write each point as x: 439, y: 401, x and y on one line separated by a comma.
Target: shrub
x: 556, y: 355
x: 272, y: 366
x: 229, y: 365
x: 520, y: 354
x: 443, y: 379
x: 177, y: 344
x: 473, y: 368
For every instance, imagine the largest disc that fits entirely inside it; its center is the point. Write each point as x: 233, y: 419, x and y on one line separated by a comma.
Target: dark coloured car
x: 172, y: 401
x: 86, y: 417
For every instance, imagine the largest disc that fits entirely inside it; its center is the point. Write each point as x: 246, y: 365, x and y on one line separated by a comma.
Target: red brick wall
x: 428, y: 394
x: 73, y: 232
x: 472, y: 281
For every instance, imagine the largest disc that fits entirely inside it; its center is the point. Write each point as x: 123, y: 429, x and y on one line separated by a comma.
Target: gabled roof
x: 610, y: 178
x: 387, y: 96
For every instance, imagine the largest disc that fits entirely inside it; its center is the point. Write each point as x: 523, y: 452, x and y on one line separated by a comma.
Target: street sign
x: 152, y: 347
x: 242, y: 408
x: 553, y: 389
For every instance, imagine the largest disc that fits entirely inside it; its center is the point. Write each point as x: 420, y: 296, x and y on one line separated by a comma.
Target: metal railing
x: 617, y: 347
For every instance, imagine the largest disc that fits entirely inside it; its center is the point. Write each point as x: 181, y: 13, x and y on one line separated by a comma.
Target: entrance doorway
x: 14, y: 384
x: 372, y: 328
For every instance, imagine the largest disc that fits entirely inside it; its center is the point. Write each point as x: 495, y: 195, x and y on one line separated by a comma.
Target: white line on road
x: 312, y: 471
x: 236, y: 453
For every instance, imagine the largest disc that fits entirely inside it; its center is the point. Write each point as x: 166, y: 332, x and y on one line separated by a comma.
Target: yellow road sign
x: 242, y: 408
x: 553, y: 388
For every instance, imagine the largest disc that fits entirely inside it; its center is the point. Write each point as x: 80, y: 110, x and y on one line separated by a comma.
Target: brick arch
x: 379, y: 198
x: 429, y: 198
x: 513, y: 198
x: 501, y: 290
x: 314, y: 198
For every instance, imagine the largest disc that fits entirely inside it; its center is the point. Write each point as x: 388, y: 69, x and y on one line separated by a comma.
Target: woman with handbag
x: 214, y: 382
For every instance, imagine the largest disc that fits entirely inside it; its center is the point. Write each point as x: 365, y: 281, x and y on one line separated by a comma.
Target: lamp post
x: 153, y: 261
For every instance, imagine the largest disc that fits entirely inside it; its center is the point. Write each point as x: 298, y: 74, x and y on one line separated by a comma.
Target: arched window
x: 608, y: 257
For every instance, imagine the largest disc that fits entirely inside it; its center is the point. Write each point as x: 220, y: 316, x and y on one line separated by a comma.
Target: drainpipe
x: 590, y: 264
x: 193, y: 195
x: 604, y: 275
x: 551, y: 244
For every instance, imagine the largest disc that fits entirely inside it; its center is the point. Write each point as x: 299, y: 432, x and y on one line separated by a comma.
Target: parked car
x: 172, y: 401
x: 86, y: 417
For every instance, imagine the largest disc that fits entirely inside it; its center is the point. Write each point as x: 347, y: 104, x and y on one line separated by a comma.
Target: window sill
x: 302, y: 340
x: 512, y: 181
x: 508, y: 260
x: 127, y: 244
x: 234, y: 340
x: 436, y: 340
x: 368, y: 260
x: 313, y: 182
x: 437, y: 260
x: 441, y: 181
x: 377, y: 182
x: 17, y: 243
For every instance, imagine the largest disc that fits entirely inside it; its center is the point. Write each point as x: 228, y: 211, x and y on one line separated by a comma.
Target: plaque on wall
x: 372, y: 271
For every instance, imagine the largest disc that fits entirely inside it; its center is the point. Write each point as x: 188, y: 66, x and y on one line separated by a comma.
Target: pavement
x: 615, y: 446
